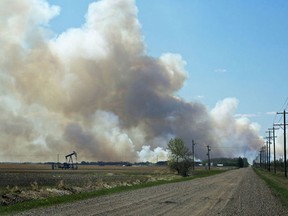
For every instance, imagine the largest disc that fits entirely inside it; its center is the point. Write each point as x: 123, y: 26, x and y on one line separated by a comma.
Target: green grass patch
x: 7, y: 210
x: 278, y: 183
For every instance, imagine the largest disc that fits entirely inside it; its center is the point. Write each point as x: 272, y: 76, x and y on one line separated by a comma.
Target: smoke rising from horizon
x: 95, y: 90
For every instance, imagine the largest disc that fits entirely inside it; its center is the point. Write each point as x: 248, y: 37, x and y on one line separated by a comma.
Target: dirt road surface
x: 236, y: 192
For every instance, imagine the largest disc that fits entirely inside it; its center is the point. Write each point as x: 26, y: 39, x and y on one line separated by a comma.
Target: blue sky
x: 232, y: 48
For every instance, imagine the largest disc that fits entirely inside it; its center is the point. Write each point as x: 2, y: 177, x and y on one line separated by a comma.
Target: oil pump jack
x: 69, y: 164
x: 69, y: 161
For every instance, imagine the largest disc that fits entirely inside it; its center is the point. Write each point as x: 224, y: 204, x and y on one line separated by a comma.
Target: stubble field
x: 23, y: 182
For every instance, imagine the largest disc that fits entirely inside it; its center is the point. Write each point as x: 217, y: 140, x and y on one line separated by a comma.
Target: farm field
x: 25, y: 174
x: 23, y: 182
x: 236, y: 192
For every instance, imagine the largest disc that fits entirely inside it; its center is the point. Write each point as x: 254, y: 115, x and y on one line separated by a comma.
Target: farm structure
x: 69, y: 164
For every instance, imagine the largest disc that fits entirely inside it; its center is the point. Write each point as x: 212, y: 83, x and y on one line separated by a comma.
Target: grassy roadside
x: 277, y: 183
x: 7, y: 210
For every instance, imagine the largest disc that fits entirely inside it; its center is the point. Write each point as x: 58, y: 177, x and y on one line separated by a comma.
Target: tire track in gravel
x: 253, y: 197
x: 203, y: 196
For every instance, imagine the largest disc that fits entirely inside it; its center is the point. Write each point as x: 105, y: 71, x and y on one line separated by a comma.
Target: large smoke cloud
x: 94, y: 90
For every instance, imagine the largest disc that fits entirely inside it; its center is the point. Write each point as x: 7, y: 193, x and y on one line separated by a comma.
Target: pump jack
x: 69, y: 164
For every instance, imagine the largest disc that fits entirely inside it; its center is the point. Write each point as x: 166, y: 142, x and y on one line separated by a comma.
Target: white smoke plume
x: 95, y: 90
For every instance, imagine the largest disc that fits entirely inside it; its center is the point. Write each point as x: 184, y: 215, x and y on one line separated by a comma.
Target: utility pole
x: 274, y: 143
x: 263, y: 156
x: 193, y: 155
x: 267, y: 153
x: 260, y: 157
x: 208, y: 154
x: 284, y: 128
x: 269, y: 149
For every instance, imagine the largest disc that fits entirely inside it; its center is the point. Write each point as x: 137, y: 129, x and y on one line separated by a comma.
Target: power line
x: 284, y: 107
x: 279, y: 120
x: 285, y: 103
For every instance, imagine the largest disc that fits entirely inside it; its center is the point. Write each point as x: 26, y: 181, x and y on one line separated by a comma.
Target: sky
x: 138, y: 73
x: 232, y: 48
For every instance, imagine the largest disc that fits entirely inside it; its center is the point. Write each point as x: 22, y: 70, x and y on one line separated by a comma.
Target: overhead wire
x: 286, y: 102
x: 277, y: 121
x: 284, y: 106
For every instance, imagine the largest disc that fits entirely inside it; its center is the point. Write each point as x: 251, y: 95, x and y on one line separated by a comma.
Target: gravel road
x: 237, y: 192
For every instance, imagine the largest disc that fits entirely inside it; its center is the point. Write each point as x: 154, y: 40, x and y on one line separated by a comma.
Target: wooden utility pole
x: 274, y: 143
x: 260, y: 158
x: 284, y: 128
x: 193, y: 155
x: 267, y: 153
x: 208, y: 154
x: 269, y: 148
x: 263, y: 156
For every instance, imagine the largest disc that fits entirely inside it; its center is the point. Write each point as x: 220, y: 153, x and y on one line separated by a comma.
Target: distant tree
x: 240, y: 162
x: 246, y: 163
x: 179, y: 156
x: 234, y: 162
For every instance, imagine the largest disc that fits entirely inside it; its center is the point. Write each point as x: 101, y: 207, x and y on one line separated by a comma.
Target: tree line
x: 181, y: 160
